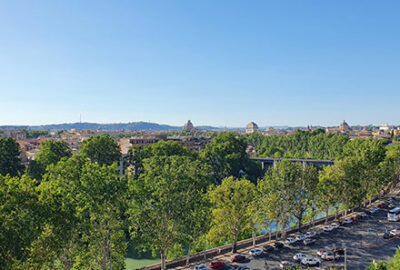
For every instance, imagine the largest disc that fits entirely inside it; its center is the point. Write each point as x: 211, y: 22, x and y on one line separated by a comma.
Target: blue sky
x: 216, y: 62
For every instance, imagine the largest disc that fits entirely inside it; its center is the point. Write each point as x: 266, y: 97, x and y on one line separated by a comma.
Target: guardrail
x: 210, y: 253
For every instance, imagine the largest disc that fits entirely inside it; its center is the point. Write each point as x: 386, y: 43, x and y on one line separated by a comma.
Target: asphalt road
x: 364, y: 242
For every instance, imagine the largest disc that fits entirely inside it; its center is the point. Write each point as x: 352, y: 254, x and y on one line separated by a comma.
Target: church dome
x: 251, y: 125
x: 188, y: 126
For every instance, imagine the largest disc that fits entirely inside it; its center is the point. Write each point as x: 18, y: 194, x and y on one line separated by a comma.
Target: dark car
x: 309, y: 241
x: 387, y: 235
x: 267, y: 248
x: 238, y: 258
x: 278, y: 245
x: 337, y: 249
x: 216, y: 264
x: 355, y: 218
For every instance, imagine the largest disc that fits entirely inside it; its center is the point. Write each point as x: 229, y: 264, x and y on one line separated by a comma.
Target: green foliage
x: 17, y: 215
x: 87, y: 207
x: 34, y: 134
x: 101, y: 149
x: 300, y: 144
x: 162, y: 199
x: 227, y: 156
x: 10, y: 162
x: 231, y: 201
x: 50, y: 153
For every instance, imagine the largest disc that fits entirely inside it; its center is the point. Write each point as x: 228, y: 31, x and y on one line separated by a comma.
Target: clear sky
x: 222, y: 63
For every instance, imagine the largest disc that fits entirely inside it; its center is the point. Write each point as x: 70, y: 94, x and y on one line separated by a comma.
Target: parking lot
x: 363, y: 241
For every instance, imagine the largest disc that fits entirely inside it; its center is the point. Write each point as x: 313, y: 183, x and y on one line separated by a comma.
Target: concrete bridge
x: 270, y: 162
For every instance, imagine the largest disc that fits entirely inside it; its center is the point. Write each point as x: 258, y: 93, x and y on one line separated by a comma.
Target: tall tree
x: 232, y: 201
x: 10, y: 162
x: 50, y: 152
x: 101, y: 149
x: 227, y: 156
x: 162, y: 198
x: 21, y: 219
x: 304, y: 194
x: 280, y: 183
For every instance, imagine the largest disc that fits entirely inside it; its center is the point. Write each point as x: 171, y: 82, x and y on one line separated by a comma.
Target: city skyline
x: 217, y: 63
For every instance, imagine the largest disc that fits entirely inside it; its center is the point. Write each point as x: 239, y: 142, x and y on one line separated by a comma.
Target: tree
x: 101, y: 149
x: 50, y: 152
x: 162, y: 199
x: 21, y: 218
x: 161, y: 148
x: 86, y: 228
x: 10, y: 162
x: 328, y: 190
x: 231, y: 202
x: 394, y: 263
x: 227, y: 156
x: 304, y: 194
x: 279, y: 182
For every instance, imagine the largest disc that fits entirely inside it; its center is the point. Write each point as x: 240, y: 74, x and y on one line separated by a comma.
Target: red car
x: 216, y: 264
x: 354, y: 219
x: 237, y: 258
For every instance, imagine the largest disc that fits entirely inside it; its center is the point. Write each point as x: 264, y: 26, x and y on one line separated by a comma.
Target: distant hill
x: 109, y: 127
x: 132, y: 126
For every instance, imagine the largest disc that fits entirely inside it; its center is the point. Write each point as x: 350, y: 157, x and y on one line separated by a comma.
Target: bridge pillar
x: 262, y: 165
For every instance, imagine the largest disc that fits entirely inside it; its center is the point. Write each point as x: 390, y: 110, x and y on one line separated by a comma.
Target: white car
x: 256, y: 252
x: 290, y: 240
x: 335, y: 225
x: 329, y: 256
x: 300, y: 237
x: 300, y: 256
x: 310, y: 261
x: 395, y: 232
x: 310, y: 234
x: 328, y: 228
x: 347, y: 221
x: 201, y: 267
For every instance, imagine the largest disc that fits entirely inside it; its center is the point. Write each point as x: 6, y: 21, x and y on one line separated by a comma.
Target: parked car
x: 387, y: 235
x: 373, y: 210
x: 237, y: 258
x: 310, y: 234
x: 319, y: 231
x: 216, y: 264
x: 287, y: 265
x: 365, y: 214
x: 290, y: 240
x: 328, y: 228
x: 346, y: 221
x: 337, y: 249
x: 278, y: 244
x: 382, y: 205
x: 256, y: 252
x: 300, y: 256
x: 321, y: 251
x: 354, y: 218
x: 201, y: 267
x: 300, y: 237
x: 395, y: 232
x: 329, y: 256
x: 309, y: 241
x: 267, y: 248
x: 243, y: 268
x: 310, y: 262
x: 335, y: 225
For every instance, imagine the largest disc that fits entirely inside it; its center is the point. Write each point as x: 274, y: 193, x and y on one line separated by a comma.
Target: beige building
x: 251, y: 128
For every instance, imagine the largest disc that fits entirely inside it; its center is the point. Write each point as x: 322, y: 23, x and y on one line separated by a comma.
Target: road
x: 363, y: 240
